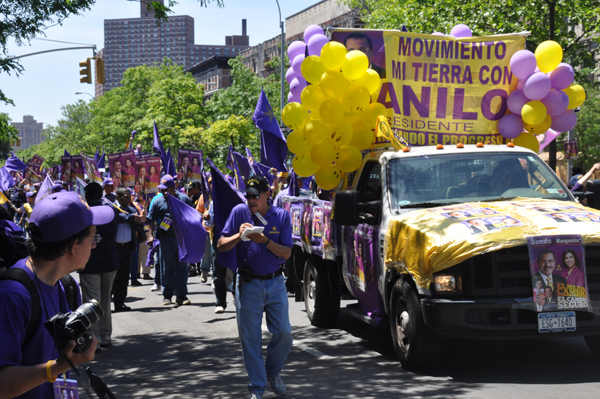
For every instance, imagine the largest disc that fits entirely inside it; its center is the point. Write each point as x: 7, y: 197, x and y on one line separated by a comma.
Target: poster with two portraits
x: 558, y: 273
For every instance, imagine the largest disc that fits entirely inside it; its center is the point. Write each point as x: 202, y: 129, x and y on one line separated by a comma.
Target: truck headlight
x: 447, y: 283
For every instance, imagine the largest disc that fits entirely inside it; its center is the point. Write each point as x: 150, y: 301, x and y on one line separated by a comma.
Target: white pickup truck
x: 433, y: 240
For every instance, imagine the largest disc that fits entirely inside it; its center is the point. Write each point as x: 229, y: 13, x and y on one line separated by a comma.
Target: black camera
x: 75, y: 325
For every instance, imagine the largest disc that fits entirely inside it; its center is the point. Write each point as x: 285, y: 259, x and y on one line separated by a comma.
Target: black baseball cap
x: 257, y: 185
x: 194, y: 183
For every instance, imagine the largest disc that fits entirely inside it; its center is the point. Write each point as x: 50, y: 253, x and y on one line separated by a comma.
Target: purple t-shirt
x: 15, y: 312
x: 258, y: 257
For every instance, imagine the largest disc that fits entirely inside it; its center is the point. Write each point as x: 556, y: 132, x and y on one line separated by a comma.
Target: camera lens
x: 92, y: 311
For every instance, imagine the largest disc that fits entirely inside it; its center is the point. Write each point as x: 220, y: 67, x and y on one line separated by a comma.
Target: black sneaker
x: 183, y: 301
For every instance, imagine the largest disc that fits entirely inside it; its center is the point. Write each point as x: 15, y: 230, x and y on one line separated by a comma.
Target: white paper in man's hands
x: 251, y: 230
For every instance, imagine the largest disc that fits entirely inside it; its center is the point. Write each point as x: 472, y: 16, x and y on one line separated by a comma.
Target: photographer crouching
x: 63, y: 232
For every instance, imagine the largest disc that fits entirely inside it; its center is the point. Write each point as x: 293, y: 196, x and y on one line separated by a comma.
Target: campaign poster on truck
x: 558, y: 273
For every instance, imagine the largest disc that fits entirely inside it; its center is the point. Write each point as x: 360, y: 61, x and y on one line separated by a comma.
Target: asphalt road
x: 190, y: 352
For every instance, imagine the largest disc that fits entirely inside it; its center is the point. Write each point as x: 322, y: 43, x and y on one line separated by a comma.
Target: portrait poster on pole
x: 153, y: 177
x: 91, y: 168
x: 558, y: 273
x: 189, y: 165
x: 128, y: 169
x: 66, y: 171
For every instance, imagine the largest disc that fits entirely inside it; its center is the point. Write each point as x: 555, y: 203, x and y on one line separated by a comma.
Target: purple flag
x: 293, y: 186
x: 243, y: 165
x: 6, y: 179
x: 102, y: 160
x: 170, y: 165
x: 259, y: 168
x: 66, y: 154
x: 157, y: 145
x: 97, y: 156
x: 273, y: 147
x: 225, y: 198
x: 191, y: 235
x: 45, y: 189
x: 14, y: 164
x: 232, y: 165
x: 152, y: 250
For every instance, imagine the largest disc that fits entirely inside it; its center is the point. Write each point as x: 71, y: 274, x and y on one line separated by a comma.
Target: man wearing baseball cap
x: 173, y: 272
x: 109, y: 190
x: 260, y: 285
x: 63, y: 232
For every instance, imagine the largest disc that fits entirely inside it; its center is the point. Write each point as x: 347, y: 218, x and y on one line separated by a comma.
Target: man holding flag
x: 173, y: 272
x: 260, y: 285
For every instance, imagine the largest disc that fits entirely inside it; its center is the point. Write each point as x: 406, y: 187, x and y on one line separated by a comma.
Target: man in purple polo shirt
x: 260, y: 284
x: 63, y: 233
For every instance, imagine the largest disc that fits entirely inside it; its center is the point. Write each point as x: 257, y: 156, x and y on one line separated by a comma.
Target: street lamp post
x: 282, y: 100
x: 82, y: 92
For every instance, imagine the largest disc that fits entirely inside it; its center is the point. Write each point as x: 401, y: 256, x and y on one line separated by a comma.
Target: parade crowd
x: 113, y: 236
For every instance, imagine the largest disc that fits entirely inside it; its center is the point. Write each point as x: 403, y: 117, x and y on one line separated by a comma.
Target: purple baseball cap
x: 31, y: 193
x: 166, y: 181
x: 62, y: 215
x: 57, y: 188
x: 108, y: 182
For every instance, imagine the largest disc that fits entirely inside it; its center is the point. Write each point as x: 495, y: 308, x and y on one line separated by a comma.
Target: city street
x: 190, y: 352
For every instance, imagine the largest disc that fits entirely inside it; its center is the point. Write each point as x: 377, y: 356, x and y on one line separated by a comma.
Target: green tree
x: 573, y: 24
x: 8, y: 136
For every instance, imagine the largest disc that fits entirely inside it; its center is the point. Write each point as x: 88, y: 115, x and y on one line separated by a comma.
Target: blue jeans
x: 251, y: 299
x: 173, y: 273
x: 207, y: 258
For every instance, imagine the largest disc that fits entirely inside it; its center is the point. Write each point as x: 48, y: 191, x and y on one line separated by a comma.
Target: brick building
x: 30, y: 132
x: 130, y: 42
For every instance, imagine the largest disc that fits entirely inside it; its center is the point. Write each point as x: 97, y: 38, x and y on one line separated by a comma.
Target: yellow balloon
x: 328, y: 178
x: 352, y: 118
x: 322, y: 154
x: 541, y: 128
x: 333, y: 55
x: 348, y: 159
x: 297, y: 143
x: 340, y: 134
x: 533, y: 113
x: 528, y: 141
x: 356, y: 65
x: 370, y: 80
x: 315, y: 131
x: 331, y: 111
x: 356, y: 99
x: 314, y: 115
x: 370, y: 114
x: 312, y: 97
x: 548, y: 55
x: 304, y: 166
x: 333, y: 84
x: 576, y: 95
x: 362, y: 137
x: 294, y: 115
x: 312, y: 69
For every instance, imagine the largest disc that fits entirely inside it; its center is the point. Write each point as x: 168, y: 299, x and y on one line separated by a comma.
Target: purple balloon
x: 461, y: 30
x: 296, y: 86
x: 312, y: 30
x: 510, y: 126
x: 537, y: 86
x: 565, y: 121
x: 515, y: 101
x: 290, y: 75
x: 562, y: 76
x: 523, y: 63
x: 296, y: 63
x: 556, y: 102
x: 295, y: 49
x: 520, y: 84
x: 293, y: 99
x: 316, y: 43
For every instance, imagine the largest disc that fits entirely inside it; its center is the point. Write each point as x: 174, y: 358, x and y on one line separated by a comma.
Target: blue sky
x: 51, y: 80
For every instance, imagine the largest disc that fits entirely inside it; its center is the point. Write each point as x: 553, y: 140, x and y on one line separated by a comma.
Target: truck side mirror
x: 345, y: 208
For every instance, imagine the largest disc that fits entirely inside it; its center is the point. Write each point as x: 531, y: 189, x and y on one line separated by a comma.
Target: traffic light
x: 99, y: 71
x: 86, y: 71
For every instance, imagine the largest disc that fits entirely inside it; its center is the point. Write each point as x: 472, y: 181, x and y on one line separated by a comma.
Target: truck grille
x: 505, y: 273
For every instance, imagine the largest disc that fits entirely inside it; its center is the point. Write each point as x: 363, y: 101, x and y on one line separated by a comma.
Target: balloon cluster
x: 329, y: 107
x: 545, y: 96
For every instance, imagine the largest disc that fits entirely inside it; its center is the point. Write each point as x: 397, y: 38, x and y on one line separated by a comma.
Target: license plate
x: 555, y: 322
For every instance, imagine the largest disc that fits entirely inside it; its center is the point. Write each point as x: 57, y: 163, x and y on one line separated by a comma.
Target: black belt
x: 261, y: 276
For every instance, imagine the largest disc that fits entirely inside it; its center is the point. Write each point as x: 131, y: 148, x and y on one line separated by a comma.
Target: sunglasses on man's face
x: 252, y: 196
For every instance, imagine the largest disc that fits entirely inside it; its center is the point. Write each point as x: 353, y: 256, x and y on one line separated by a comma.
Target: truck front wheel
x: 416, y: 346
x: 321, y: 294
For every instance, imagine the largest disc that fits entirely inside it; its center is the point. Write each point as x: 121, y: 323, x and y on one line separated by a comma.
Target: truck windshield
x: 467, y: 177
